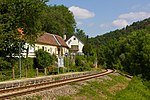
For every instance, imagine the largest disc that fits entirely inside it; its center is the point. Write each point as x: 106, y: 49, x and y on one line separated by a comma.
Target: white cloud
x: 128, y: 18
x: 79, y: 23
x: 134, y: 16
x: 104, y: 26
x: 120, y: 23
x: 81, y: 13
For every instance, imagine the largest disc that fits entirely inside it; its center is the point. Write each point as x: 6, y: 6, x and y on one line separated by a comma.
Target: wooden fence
x: 26, y: 73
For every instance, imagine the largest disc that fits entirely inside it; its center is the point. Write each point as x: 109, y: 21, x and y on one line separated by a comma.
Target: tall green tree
x: 126, y: 49
x: 58, y: 20
x: 108, y: 37
x: 137, y: 53
x: 130, y: 53
x: 16, y: 14
x: 81, y: 35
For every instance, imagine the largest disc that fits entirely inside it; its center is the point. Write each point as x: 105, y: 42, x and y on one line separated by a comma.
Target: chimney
x: 64, y: 37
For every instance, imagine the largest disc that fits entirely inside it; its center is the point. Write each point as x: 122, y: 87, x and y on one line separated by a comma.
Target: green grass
x: 64, y: 98
x: 109, y: 90
x: 136, y: 90
x: 97, y: 90
x: 112, y: 88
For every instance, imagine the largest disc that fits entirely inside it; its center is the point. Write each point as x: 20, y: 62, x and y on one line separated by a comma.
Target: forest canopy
x: 23, y: 21
x: 127, y: 49
x: 34, y: 17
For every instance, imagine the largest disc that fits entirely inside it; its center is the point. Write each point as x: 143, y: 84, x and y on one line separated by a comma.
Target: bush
x: 136, y: 90
x: 81, y: 64
x: 80, y: 61
x: 4, y: 64
x: 27, y: 62
x: 43, y: 59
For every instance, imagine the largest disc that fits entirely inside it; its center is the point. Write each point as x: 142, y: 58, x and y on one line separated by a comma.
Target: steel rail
x: 8, y: 93
x: 41, y: 84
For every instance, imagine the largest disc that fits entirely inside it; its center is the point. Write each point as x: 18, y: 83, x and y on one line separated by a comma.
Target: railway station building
x: 51, y: 43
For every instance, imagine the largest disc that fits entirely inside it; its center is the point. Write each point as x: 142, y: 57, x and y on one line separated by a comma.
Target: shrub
x: 80, y: 61
x: 27, y: 62
x: 4, y: 64
x: 82, y: 64
x: 136, y: 90
x: 43, y: 59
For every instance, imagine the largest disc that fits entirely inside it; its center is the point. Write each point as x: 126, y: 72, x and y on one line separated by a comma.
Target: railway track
x: 18, y: 91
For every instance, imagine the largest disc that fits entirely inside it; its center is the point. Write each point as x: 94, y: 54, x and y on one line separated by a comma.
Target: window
x: 43, y: 47
x: 69, y: 42
x: 50, y: 50
x: 55, y: 50
x: 62, y: 51
x: 74, y: 47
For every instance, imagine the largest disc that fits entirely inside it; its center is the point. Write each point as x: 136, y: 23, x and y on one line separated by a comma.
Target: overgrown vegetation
x: 43, y: 59
x: 127, y: 49
x: 99, y: 89
x: 136, y: 90
x: 116, y: 88
x: 4, y: 64
x: 26, y: 68
x: 33, y: 18
x: 82, y: 64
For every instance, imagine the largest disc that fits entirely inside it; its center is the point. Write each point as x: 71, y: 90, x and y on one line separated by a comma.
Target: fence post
x: 26, y: 73
x: 45, y: 71
x: 13, y: 73
x: 37, y: 71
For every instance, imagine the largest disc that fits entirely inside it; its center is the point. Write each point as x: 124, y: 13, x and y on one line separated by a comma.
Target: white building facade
x: 53, y: 44
x: 75, y: 45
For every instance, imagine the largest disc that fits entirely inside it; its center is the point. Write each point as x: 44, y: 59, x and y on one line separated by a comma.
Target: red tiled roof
x: 61, y: 41
x: 50, y: 39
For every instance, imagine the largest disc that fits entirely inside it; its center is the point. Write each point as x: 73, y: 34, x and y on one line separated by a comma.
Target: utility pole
x: 20, y: 58
x: 20, y: 30
x: 88, y: 47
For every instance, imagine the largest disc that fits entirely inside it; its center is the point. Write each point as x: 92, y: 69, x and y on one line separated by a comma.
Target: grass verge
x: 136, y: 90
x: 100, y: 89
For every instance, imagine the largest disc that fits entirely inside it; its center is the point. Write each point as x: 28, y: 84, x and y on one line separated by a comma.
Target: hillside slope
x: 104, y: 39
x: 127, y: 49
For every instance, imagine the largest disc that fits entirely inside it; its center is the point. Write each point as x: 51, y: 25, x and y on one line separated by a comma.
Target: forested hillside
x: 127, y: 49
x: 106, y: 38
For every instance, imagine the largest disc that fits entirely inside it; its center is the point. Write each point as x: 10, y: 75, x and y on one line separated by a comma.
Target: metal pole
x: 58, y: 69
x: 20, y: 30
x: 20, y: 58
x: 58, y: 63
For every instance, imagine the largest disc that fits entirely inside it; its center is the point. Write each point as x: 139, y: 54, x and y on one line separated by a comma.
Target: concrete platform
x: 38, y: 80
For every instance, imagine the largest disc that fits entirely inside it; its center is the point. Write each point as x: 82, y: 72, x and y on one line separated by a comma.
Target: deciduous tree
x: 58, y: 20
x: 16, y: 14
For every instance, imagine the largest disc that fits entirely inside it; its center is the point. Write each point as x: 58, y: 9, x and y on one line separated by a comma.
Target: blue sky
x: 96, y: 17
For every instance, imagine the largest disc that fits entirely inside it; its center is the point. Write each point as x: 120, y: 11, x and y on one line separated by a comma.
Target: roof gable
x: 51, y: 39
x: 75, y: 37
x: 61, y: 41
